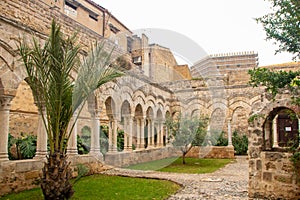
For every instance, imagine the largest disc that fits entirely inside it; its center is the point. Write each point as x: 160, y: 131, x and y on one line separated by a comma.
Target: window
x: 94, y: 17
x: 70, y: 9
x: 137, y: 60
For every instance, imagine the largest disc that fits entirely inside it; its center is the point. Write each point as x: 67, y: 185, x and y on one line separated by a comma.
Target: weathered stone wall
x: 130, y: 158
x: 211, y: 152
x: 271, y: 173
x: 16, y: 176
x: 277, y: 178
x: 183, y: 71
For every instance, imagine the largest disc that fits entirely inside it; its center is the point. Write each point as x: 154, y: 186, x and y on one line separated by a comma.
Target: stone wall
x: 271, y: 173
x: 122, y: 159
x: 211, y: 152
x: 277, y: 178
x: 16, y: 176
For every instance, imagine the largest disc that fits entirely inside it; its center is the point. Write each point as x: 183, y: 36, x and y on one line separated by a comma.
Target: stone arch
x: 217, y: 120
x: 239, y: 117
x: 138, y: 133
x: 126, y: 94
x: 110, y: 107
x: 149, y: 127
x: 103, y: 93
x: 281, y: 129
x: 266, y: 162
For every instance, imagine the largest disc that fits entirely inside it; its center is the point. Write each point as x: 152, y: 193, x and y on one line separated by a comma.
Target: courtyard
x: 229, y: 182
x: 125, y: 120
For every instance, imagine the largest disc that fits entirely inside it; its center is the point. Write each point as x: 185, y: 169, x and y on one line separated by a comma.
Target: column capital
x: 5, y: 102
x: 95, y: 113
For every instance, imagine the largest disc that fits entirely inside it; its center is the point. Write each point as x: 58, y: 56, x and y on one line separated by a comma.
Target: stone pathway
x: 230, y: 182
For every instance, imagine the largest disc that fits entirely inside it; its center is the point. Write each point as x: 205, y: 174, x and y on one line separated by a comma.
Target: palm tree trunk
x: 56, y: 177
x: 183, y: 158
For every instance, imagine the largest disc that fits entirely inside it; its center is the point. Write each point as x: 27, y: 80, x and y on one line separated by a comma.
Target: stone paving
x: 230, y: 182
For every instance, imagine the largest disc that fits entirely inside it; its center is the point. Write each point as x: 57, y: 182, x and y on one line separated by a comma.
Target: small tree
x: 48, y: 68
x: 187, y: 132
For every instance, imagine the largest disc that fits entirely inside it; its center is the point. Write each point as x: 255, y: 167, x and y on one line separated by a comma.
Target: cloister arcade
x: 129, y: 104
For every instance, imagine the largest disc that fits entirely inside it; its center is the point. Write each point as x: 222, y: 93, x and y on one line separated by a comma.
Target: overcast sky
x: 218, y: 26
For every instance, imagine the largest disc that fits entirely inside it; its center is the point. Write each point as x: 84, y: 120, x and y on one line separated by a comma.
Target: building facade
x: 154, y: 88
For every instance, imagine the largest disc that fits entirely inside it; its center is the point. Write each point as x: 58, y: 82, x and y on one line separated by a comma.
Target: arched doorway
x: 138, y: 137
x: 281, y: 129
x: 126, y: 124
x: 112, y: 124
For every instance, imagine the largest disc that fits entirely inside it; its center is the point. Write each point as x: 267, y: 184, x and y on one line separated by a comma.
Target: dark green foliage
x: 240, y: 143
x: 283, y: 25
x: 25, y: 146
x: 11, y: 142
x: 273, y: 81
x: 221, y: 140
x: 81, y: 147
x: 120, y: 140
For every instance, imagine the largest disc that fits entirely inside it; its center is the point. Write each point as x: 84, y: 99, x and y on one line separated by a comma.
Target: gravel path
x: 230, y: 182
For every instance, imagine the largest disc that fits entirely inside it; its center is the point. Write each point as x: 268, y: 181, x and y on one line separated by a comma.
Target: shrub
x: 25, y: 147
x: 221, y: 140
x: 81, y: 147
x: 120, y: 140
x: 240, y: 143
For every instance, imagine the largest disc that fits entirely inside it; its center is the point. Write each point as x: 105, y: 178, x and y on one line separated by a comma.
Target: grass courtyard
x: 192, y: 166
x: 116, y: 187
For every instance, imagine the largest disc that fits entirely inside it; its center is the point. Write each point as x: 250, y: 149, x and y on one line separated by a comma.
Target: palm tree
x: 48, y: 68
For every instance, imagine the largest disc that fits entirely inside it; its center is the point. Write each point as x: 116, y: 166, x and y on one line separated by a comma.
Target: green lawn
x: 110, y: 187
x: 192, y: 166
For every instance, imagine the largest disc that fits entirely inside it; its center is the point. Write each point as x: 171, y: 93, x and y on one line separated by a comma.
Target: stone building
x: 155, y: 87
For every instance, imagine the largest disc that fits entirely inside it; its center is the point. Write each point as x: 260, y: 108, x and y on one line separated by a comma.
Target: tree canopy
x: 283, y: 25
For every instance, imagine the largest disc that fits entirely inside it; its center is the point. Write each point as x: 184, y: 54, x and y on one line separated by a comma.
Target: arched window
x: 281, y: 129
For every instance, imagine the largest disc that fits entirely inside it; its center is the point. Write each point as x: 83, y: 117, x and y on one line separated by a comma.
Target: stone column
x: 152, y: 132
x: 130, y: 124
x: 41, y: 143
x: 229, y: 134
x: 138, y: 133
x: 208, y: 135
x: 149, y: 134
x: 72, y: 143
x: 161, y: 134
x: 110, y: 135
x: 115, y: 135
x: 95, y: 136
x: 167, y: 135
x: 143, y: 133
x: 126, y: 133
x: 4, y: 124
x: 275, y: 134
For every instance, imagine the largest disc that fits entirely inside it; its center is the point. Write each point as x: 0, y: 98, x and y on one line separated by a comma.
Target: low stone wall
x: 211, y: 152
x: 19, y: 175
x: 122, y: 159
x: 272, y: 176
